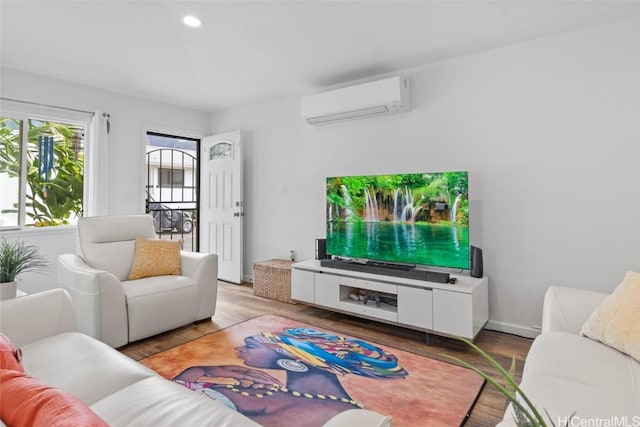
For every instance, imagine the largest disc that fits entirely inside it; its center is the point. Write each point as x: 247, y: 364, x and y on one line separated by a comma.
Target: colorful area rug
x: 281, y: 372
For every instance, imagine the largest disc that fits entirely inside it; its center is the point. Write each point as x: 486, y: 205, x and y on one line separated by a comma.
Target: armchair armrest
x: 204, y: 269
x: 567, y: 309
x: 98, y: 300
x: 32, y: 317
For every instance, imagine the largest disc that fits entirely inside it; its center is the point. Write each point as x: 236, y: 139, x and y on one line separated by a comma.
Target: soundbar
x: 378, y: 268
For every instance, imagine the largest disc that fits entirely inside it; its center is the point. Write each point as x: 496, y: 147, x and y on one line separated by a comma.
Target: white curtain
x: 96, y: 197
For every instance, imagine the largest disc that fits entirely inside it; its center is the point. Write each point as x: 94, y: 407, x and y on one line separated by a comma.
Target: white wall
x: 130, y: 118
x: 548, y: 130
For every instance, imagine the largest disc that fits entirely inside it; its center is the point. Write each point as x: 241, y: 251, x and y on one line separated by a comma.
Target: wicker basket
x: 272, y: 279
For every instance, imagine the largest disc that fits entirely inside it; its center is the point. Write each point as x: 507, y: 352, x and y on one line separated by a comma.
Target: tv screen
x: 417, y: 218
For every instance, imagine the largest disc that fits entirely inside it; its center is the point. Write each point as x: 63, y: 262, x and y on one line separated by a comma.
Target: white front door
x: 221, y: 203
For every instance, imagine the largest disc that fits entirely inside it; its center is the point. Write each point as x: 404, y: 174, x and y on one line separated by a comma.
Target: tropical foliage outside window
x: 52, y: 182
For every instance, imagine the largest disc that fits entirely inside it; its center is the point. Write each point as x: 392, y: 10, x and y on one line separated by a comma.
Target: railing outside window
x: 172, y: 188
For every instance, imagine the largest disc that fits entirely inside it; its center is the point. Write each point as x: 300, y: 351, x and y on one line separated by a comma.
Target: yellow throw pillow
x: 616, y: 321
x: 155, y: 258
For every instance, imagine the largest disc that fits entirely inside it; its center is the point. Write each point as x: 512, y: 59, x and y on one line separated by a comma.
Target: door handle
x: 236, y: 214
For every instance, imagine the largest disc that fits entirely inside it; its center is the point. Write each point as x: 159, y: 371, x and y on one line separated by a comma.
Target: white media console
x: 460, y: 309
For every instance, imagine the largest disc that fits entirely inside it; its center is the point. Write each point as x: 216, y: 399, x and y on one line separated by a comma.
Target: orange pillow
x: 9, y: 357
x: 29, y: 403
x: 155, y: 257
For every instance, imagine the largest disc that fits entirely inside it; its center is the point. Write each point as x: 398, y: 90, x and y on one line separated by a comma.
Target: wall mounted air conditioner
x: 390, y: 95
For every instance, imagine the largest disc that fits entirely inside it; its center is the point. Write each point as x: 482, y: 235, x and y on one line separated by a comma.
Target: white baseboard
x: 510, y: 328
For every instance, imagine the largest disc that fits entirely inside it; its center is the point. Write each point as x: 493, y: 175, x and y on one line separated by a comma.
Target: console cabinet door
x: 415, y: 307
x: 453, y: 313
x: 327, y: 291
x: 302, y: 285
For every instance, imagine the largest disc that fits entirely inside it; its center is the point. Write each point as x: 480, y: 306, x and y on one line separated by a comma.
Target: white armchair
x: 115, y: 310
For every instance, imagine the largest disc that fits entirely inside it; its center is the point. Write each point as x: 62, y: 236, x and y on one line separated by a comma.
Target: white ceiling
x: 252, y: 50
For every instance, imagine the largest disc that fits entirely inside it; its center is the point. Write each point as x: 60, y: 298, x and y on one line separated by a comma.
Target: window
x: 41, y: 171
x: 171, y: 177
x: 221, y: 151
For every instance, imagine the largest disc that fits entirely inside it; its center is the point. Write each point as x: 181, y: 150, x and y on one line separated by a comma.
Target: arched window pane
x: 221, y: 151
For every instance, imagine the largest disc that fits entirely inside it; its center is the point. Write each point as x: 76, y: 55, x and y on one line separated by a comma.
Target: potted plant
x: 17, y: 258
x: 525, y: 412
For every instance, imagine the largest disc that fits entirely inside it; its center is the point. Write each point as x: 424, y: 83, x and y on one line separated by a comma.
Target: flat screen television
x: 416, y: 218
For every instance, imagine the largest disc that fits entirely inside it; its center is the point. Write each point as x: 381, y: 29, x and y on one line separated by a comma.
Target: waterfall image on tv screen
x: 418, y: 218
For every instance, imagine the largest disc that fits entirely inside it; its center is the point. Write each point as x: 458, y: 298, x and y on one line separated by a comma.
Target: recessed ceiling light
x: 192, y: 21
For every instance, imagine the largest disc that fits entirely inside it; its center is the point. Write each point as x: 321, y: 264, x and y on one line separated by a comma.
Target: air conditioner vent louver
x: 348, y: 115
x: 380, y: 97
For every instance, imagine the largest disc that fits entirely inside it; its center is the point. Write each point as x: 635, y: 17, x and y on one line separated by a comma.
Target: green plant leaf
x: 17, y: 258
x: 511, y: 390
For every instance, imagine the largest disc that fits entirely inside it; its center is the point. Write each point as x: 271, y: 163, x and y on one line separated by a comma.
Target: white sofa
x: 115, y: 310
x: 566, y: 373
x: 118, y: 389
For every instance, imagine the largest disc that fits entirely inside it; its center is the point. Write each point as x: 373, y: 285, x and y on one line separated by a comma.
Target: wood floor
x: 237, y: 303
